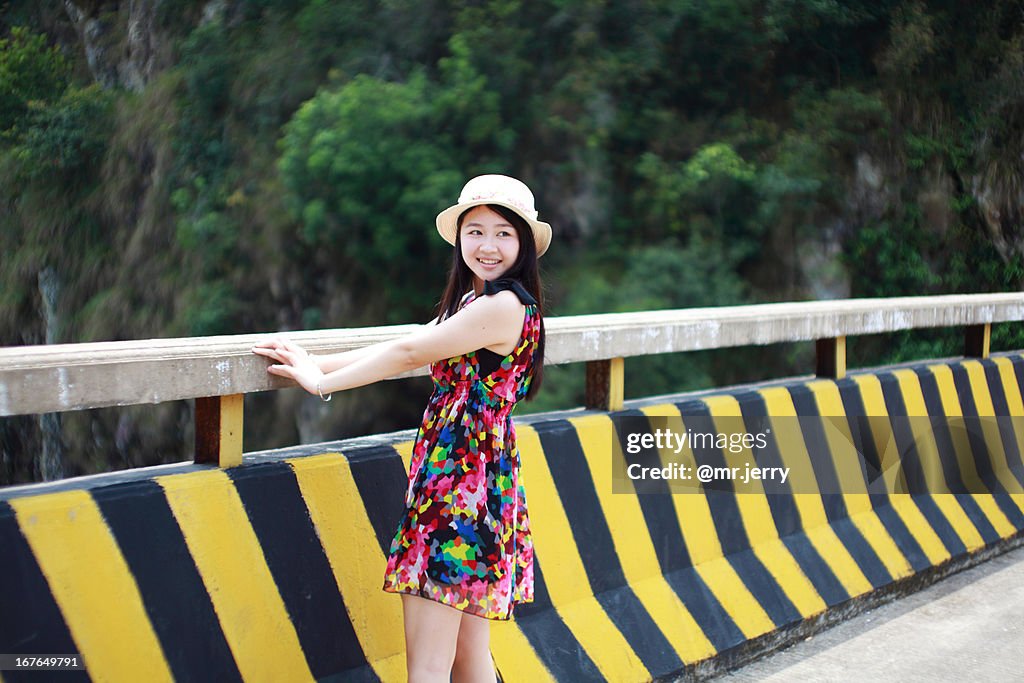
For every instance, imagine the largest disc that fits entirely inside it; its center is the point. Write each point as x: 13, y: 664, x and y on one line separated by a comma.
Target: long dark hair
x: 525, y: 270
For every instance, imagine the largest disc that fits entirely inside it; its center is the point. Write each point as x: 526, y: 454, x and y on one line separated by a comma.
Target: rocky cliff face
x: 122, y: 45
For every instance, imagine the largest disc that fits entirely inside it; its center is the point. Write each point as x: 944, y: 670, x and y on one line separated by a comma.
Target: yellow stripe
x: 962, y: 448
x: 1016, y: 409
x: 564, y: 573
x: 633, y: 545
x: 230, y: 560
x: 813, y: 520
x: 928, y: 455
x: 92, y: 585
x: 757, y: 516
x: 902, y: 503
x: 1013, y: 402
x: 513, y: 654
x: 846, y: 461
x: 996, y: 517
x: 924, y: 438
x: 349, y: 541
x: 990, y: 430
x: 404, y: 451
x: 701, y: 538
x: 886, y: 447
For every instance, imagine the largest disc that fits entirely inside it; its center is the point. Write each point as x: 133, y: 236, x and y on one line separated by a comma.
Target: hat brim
x: 447, y: 223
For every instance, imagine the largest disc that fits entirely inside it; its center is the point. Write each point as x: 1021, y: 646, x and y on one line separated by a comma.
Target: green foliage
x: 921, y: 149
x: 711, y: 196
x: 68, y: 136
x: 207, y: 61
x: 208, y: 308
x: 31, y: 73
x: 841, y: 118
x: 365, y: 176
x: 892, y: 259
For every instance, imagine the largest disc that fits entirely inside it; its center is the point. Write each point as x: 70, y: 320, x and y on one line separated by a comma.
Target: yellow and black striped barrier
x: 272, y: 571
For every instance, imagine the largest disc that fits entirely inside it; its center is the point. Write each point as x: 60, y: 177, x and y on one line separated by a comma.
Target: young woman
x: 464, y: 539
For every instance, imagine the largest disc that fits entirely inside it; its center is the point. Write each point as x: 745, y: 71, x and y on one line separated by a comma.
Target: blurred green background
x: 176, y: 168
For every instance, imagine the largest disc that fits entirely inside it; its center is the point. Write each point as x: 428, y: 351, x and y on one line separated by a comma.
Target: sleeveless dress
x: 464, y: 538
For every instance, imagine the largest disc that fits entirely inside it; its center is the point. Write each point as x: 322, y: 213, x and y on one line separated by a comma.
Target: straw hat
x: 503, y: 191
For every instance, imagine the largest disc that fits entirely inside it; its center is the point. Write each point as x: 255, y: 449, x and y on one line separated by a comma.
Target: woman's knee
x: 431, y: 630
x: 475, y: 632
x: 473, y: 650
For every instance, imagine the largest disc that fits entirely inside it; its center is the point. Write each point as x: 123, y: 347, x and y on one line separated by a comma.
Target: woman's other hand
x: 293, y: 362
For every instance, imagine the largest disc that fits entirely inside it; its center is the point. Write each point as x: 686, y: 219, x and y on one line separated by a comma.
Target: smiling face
x: 490, y: 244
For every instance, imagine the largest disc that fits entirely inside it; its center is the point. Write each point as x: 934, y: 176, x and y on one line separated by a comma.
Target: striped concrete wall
x: 272, y: 571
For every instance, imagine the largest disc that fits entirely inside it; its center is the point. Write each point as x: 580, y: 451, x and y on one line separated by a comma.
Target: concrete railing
x: 217, y: 371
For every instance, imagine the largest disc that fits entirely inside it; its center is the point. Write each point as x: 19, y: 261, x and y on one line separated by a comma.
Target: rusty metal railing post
x: 219, y: 430
x: 977, y: 339
x: 831, y: 361
x: 605, y: 383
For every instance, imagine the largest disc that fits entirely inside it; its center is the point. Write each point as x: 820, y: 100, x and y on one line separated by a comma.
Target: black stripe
x: 704, y: 607
x: 906, y: 542
x: 658, y: 509
x: 590, y: 530
x: 853, y: 405
x: 975, y: 437
x: 979, y: 450
x: 381, y: 479
x: 550, y: 638
x: 947, y: 456
x: 816, y: 569
x: 30, y: 620
x: 783, y: 505
x: 635, y: 623
x: 779, y: 495
x: 941, y: 431
x: 818, y: 449
x: 901, y: 431
x: 593, y: 539
x: 929, y: 508
x: 729, y: 524
x: 1001, y: 408
x: 732, y: 534
x: 172, y: 591
x: 670, y: 547
x: 823, y: 460
x: 541, y: 597
x: 1017, y: 363
x: 825, y: 472
x: 907, y: 447
x: 977, y: 516
x: 301, y: 571
x: 861, y: 434
x: 763, y: 586
x: 862, y: 552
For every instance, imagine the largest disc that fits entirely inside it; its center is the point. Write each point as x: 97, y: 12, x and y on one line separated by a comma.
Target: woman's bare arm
x: 489, y: 321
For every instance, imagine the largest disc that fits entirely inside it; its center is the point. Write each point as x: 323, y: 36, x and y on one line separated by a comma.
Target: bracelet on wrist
x: 320, y: 391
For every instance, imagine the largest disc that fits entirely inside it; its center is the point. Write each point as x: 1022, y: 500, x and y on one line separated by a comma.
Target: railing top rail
x: 39, y: 379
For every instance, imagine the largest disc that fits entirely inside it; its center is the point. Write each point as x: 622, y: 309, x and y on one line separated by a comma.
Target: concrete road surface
x: 967, y: 627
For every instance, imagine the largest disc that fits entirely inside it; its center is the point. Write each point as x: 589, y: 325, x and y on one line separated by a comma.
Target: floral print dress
x: 464, y: 538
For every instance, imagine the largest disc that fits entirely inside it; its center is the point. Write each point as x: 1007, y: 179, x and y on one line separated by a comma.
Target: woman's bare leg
x: 431, y: 631
x: 473, y: 663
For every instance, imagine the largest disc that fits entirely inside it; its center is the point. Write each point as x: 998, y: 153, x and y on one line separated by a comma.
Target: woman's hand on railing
x: 293, y: 362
